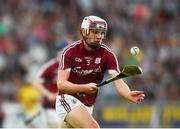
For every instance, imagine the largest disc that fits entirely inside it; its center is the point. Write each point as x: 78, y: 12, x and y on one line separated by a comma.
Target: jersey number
x: 88, y: 62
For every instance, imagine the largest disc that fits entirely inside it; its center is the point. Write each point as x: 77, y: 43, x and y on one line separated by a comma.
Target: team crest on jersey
x: 98, y: 60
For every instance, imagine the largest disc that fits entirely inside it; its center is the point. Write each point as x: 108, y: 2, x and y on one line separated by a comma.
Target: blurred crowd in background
x: 32, y: 30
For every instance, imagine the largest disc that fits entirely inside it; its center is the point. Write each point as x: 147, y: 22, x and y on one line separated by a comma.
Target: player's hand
x: 91, y: 88
x: 136, y: 96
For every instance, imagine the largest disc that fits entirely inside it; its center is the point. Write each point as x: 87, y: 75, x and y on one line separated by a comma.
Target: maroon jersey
x: 48, y: 73
x: 87, y: 66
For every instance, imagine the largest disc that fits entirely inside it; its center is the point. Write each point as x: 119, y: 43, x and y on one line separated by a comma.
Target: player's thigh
x: 79, y: 117
x: 78, y: 114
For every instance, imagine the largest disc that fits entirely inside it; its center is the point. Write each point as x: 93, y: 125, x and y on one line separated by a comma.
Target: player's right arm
x: 68, y: 87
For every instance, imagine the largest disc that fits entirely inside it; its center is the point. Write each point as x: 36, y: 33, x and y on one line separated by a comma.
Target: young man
x: 45, y: 82
x: 82, y: 65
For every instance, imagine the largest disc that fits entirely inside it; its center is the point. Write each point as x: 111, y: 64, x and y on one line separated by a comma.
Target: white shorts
x: 65, y: 103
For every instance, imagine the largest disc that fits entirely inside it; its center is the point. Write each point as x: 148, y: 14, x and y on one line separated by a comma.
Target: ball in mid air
x: 134, y: 50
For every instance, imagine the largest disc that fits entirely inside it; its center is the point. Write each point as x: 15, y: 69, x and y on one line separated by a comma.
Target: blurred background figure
x: 33, y: 113
x: 29, y: 31
x: 46, y: 82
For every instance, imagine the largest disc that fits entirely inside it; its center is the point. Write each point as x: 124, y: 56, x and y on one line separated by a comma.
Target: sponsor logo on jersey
x: 80, y: 71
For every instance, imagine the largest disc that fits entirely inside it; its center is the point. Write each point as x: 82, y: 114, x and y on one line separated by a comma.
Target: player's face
x: 96, y: 36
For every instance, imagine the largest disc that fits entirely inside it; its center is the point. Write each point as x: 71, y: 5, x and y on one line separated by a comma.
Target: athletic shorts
x: 65, y: 103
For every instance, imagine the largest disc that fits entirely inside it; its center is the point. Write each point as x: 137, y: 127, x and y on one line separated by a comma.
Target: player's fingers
x: 95, y: 88
x: 141, y: 98
x: 138, y: 100
x: 141, y: 95
x: 137, y: 92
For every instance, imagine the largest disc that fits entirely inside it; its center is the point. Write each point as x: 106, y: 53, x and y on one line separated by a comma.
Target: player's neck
x: 86, y: 47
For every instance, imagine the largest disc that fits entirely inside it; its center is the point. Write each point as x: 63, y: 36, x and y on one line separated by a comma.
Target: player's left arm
x: 123, y: 90
x: 121, y: 86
